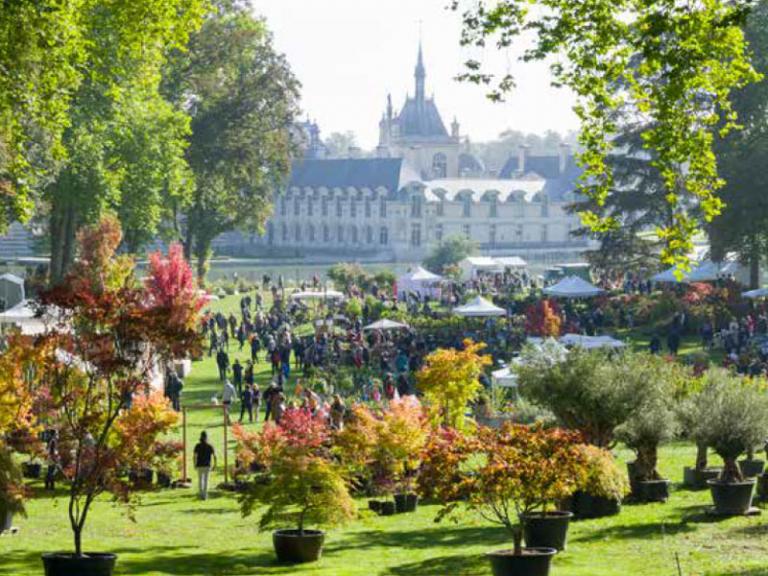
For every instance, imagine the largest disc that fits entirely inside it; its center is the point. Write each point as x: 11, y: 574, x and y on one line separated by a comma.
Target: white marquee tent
x: 419, y: 281
x: 479, y: 307
x: 317, y: 295
x: 591, y: 342
x: 704, y: 271
x: 386, y: 324
x: 573, y: 287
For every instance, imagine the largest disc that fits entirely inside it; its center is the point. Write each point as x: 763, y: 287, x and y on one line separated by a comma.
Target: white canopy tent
x: 704, y: 271
x: 573, y: 287
x: 11, y: 290
x: 317, y: 295
x: 754, y: 294
x: 419, y: 281
x: 591, y: 342
x: 479, y: 307
x: 386, y: 324
x: 510, y: 262
x: 472, y: 265
x: 504, y: 378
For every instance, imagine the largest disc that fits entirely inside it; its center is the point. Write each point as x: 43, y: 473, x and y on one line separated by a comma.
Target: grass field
x: 175, y: 534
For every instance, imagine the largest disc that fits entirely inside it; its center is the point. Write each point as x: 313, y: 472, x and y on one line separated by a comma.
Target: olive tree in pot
x: 300, y: 483
x: 653, y: 422
x: 688, y: 416
x: 510, y: 476
x: 100, y: 353
x: 593, y: 392
x: 604, y: 488
x: 733, y: 417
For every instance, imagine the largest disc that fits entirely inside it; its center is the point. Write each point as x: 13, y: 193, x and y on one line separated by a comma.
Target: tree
x: 449, y: 380
x: 242, y: 100
x: 99, y: 356
x: 741, y: 154
x: 673, y: 64
x: 449, y: 253
x: 339, y: 144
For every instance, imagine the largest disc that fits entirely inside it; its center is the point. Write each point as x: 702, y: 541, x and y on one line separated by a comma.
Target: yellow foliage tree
x: 449, y: 380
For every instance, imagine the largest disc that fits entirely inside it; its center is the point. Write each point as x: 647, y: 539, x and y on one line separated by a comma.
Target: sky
x: 349, y: 54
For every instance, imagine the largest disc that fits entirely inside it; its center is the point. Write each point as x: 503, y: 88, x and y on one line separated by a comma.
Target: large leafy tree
x: 742, y: 156
x: 674, y: 64
x: 123, y: 143
x: 242, y: 100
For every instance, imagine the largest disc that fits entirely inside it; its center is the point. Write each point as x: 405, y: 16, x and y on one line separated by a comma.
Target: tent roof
x: 420, y: 274
x: 479, y: 307
x: 21, y: 312
x: 573, y: 287
x: 386, y: 324
x: 704, y: 271
x: 511, y: 261
x: 589, y: 342
x: 758, y: 293
x: 481, y: 262
x: 317, y: 295
x: 12, y: 278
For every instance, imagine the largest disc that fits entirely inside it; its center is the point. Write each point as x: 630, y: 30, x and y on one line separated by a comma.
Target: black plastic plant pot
x: 532, y: 562
x: 585, y: 505
x: 6, y: 521
x: 762, y: 487
x: 546, y: 529
x: 696, y: 479
x: 406, y: 502
x: 732, y: 498
x: 652, y: 490
x: 751, y: 468
x: 31, y: 470
x: 387, y: 508
x: 163, y: 480
x: 294, y: 547
x: 90, y: 564
x: 374, y: 505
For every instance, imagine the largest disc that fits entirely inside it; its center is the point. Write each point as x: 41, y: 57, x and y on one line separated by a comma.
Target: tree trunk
x: 647, y: 458
x: 517, y: 535
x: 754, y: 268
x: 202, y: 253
x: 731, y: 471
x: 701, y: 456
x: 64, y: 224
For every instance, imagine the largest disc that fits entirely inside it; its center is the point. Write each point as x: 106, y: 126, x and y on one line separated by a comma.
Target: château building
x: 418, y: 189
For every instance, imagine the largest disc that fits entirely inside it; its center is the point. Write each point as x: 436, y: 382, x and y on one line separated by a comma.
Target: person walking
x: 237, y: 376
x: 205, y: 461
x: 222, y: 361
x: 53, y: 460
x: 246, y: 403
x: 227, y: 397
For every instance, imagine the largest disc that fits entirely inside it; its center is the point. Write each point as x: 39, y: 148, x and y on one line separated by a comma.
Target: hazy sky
x: 349, y: 54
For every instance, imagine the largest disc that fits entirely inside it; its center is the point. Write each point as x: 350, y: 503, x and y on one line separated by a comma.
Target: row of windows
x: 466, y: 230
x: 325, y: 234
x: 417, y: 203
x: 324, y: 202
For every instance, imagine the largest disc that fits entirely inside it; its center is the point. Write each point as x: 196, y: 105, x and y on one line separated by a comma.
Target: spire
x: 420, y: 75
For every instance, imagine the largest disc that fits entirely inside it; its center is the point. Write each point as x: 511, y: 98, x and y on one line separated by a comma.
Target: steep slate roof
x: 390, y: 173
x: 545, y: 166
x: 421, y: 120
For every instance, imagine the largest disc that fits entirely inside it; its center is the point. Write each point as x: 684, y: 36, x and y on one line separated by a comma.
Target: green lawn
x: 175, y: 534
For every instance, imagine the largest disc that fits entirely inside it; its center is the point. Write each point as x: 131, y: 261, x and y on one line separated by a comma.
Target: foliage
x: 449, y: 253
x: 603, y: 476
x: 353, y: 308
x: 139, y: 429
x: 345, y: 275
x: 300, y: 481
x: 99, y: 357
x: 653, y: 422
x: 443, y: 464
x: 12, y: 489
x: 590, y: 391
x: 241, y: 97
x: 543, y: 319
x: 512, y: 471
x: 449, y: 380
x: 673, y: 64
x: 730, y: 416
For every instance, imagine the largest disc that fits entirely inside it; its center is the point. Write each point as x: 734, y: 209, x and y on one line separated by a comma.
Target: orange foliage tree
x: 449, y: 380
x: 543, y: 319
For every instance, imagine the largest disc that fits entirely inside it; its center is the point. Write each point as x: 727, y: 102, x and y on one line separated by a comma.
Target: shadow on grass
x: 756, y: 571
x: 424, y: 538
x: 183, y: 562
x: 634, y: 532
x: 471, y: 565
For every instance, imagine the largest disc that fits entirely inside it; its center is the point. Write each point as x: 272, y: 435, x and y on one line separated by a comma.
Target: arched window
x: 384, y: 236
x: 439, y: 165
x: 466, y: 206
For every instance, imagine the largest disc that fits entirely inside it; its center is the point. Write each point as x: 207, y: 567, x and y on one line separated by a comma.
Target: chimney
x: 521, y: 154
x: 565, y: 153
x: 455, y: 128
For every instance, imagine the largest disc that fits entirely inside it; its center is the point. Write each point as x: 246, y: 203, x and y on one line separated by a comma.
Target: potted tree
x: 12, y: 490
x: 593, y: 392
x: 734, y: 418
x: 300, y: 483
x: 510, y: 476
x: 688, y: 415
x: 100, y: 356
x: 652, y: 423
x: 605, y: 486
